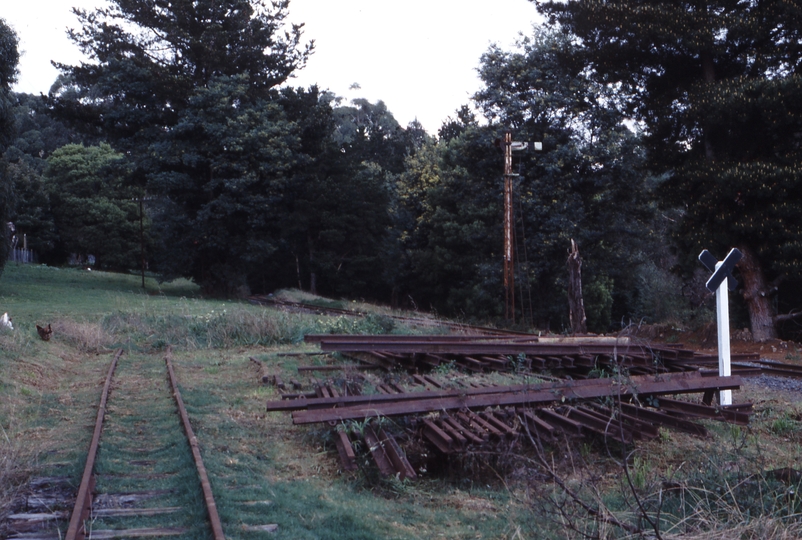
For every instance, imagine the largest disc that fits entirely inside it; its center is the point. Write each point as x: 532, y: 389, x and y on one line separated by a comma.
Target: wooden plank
x: 475, y: 428
x: 639, y: 428
x: 345, y: 450
x: 271, y: 527
x: 377, y: 451
x: 138, y: 533
x: 451, y: 432
x: 565, y: 423
x: 655, y: 416
x: 537, y: 425
x: 703, y: 411
x: 438, y: 437
x: 463, y: 430
x: 123, y: 512
x: 606, y: 428
x: 397, y: 456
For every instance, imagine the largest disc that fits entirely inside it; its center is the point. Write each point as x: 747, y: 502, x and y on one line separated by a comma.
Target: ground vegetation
x: 9, y: 57
x: 739, y: 481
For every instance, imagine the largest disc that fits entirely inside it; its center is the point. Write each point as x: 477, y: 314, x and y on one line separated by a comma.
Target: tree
x: 577, y: 186
x: 9, y: 57
x: 335, y: 230
x: 31, y: 214
x: 716, y: 86
x: 37, y: 136
x: 187, y: 90
x: 449, y: 212
x: 94, y: 212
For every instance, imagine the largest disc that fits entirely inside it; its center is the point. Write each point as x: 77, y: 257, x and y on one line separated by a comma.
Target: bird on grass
x: 44, y: 333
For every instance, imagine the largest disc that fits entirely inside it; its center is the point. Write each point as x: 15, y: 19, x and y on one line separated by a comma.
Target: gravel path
x: 773, y: 382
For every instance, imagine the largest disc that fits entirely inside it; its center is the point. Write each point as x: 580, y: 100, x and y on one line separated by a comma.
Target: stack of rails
x: 477, y: 415
x: 577, y: 358
x: 471, y: 418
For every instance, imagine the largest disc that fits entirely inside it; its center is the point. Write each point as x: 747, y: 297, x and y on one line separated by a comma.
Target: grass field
x: 264, y: 470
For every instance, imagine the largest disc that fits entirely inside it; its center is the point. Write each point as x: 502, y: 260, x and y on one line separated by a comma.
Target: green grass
x: 263, y: 469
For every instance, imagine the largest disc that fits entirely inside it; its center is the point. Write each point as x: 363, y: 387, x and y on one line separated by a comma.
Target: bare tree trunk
x: 576, y: 305
x: 756, y: 294
x: 298, y: 272
x: 312, y: 274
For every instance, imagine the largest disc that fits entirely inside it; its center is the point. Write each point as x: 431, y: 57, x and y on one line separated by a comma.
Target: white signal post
x: 719, y: 283
x: 723, y: 316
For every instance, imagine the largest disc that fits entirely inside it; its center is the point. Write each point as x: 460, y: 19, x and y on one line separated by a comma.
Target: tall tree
x: 577, y: 186
x: 94, y: 210
x: 717, y: 87
x: 186, y: 88
x: 9, y: 57
x: 337, y: 207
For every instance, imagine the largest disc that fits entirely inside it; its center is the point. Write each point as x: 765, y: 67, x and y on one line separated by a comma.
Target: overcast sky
x: 418, y: 56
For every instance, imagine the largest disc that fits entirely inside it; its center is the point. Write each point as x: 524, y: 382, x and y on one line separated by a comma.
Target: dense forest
x: 666, y: 128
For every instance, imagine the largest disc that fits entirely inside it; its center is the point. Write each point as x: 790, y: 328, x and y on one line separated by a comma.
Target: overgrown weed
x: 87, y: 337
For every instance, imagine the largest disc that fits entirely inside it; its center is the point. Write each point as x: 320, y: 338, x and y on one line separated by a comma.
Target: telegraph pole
x: 509, y: 244
x: 509, y: 222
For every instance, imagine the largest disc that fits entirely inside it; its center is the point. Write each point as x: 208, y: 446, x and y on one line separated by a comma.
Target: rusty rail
x: 83, y: 502
x: 211, y: 506
x: 535, y: 395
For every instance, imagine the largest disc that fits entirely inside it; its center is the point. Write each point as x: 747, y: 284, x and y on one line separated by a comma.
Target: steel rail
x: 83, y: 502
x: 367, y: 400
x: 211, y: 506
x: 642, y: 386
x: 393, y: 338
x: 472, y: 348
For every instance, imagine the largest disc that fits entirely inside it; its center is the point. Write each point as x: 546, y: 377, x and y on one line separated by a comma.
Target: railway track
x: 143, y: 476
x: 419, y: 322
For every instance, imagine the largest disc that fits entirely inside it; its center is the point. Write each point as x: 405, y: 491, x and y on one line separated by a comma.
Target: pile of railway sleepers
x: 473, y: 417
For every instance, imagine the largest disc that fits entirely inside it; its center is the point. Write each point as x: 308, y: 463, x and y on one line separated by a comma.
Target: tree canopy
x: 716, y: 87
x: 9, y: 57
x: 574, y: 189
x: 186, y: 90
x: 94, y: 212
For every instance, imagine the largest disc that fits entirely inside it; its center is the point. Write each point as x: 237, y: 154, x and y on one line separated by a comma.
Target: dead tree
x: 576, y: 305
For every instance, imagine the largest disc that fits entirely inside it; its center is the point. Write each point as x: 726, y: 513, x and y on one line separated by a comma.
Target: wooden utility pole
x: 509, y: 221
x: 142, y: 239
x: 509, y: 245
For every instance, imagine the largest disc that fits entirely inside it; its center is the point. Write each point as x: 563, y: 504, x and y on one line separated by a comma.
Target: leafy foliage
x: 185, y: 89
x: 94, y: 211
x: 575, y: 189
x: 716, y: 87
x: 9, y: 57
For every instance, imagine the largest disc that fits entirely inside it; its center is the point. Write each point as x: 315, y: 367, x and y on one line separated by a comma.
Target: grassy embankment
x: 264, y: 470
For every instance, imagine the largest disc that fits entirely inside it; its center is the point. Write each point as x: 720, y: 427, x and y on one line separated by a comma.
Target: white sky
x: 418, y: 56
